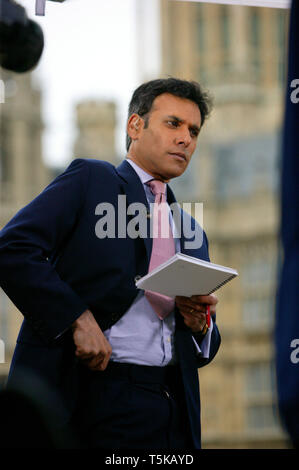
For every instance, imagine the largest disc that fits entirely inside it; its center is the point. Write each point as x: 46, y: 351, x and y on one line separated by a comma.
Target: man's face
x: 164, y: 148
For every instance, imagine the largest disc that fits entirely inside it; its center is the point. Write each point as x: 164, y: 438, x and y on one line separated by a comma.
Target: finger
x: 198, y: 319
x: 92, y: 365
x: 194, y: 317
x: 194, y: 309
x: 192, y: 306
x: 88, y: 353
x: 102, y: 359
x: 194, y: 313
x: 181, y: 298
x: 95, y: 363
x: 96, y: 366
x: 205, y: 299
x: 213, y: 309
x: 95, y: 360
x: 194, y: 324
x: 104, y: 363
x: 84, y: 356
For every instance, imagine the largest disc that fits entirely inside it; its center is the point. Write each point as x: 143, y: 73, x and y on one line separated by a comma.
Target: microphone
x: 21, y: 39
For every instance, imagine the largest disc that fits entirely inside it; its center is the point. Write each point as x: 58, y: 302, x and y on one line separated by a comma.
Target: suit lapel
x: 134, y: 190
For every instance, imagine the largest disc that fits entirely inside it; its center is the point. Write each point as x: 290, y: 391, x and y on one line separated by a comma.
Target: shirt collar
x: 143, y: 175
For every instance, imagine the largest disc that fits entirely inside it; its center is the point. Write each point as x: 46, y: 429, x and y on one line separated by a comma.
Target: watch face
x: 205, y: 329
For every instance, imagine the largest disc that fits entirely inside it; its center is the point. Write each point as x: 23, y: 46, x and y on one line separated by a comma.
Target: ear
x: 134, y: 126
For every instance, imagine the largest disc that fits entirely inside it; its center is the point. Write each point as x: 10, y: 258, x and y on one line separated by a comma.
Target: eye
x: 173, y: 123
x: 194, y: 132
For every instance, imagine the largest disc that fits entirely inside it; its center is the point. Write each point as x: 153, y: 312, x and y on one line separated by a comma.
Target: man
x: 126, y: 373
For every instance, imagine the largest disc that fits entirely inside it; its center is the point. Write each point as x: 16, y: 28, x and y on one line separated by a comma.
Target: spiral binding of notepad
x: 222, y: 283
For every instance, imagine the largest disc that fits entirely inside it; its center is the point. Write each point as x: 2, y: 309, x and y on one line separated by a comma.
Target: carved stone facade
x: 238, y: 53
x: 96, y: 122
x: 23, y: 175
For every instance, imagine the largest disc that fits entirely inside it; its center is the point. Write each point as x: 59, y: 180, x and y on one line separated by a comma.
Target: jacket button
x: 136, y: 278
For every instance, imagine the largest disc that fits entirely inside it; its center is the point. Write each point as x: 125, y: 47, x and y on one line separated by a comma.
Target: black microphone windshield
x: 21, y: 39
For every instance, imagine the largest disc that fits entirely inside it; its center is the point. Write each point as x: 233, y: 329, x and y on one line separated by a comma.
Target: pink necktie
x: 163, y: 246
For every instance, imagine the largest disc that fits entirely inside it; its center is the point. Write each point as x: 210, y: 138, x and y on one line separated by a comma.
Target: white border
x: 252, y: 3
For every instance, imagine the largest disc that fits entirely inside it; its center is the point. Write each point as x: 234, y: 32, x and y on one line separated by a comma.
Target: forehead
x: 171, y: 105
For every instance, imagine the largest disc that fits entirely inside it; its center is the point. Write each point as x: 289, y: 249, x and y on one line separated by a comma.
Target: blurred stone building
x: 238, y: 53
x: 23, y: 175
x: 96, y: 124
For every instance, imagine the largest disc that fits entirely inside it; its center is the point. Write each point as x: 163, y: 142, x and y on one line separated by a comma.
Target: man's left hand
x: 194, y: 309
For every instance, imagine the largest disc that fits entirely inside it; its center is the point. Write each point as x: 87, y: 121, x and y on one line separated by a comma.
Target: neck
x: 153, y: 174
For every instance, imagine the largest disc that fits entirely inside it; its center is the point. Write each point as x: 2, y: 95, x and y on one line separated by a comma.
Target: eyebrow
x: 175, y: 118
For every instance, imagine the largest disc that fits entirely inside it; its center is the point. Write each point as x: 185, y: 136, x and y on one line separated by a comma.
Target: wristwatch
x: 204, y: 329
x: 208, y: 322
x: 199, y: 335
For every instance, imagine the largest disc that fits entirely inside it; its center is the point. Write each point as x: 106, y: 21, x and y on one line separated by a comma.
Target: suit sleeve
x: 33, y: 235
x: 214, y: 345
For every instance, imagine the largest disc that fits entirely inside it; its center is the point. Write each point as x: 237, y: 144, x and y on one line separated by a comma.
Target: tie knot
x: 157, y: 187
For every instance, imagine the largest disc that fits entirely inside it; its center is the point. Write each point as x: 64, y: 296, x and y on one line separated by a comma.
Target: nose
x: 183, y: 136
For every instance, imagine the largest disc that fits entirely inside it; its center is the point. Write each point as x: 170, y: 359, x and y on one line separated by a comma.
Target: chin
x: 173, y: 174
x: 176, y: 171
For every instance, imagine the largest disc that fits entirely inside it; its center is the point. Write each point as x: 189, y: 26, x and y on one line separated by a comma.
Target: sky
x: 90, y: 53
x: 94, y: 49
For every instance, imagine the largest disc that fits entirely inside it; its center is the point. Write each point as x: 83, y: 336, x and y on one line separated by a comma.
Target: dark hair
x: 143, y: 97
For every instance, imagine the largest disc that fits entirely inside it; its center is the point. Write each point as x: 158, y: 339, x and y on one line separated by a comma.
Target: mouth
x: 179, y: 155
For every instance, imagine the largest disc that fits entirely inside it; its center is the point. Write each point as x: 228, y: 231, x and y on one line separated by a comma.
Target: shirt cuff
x: 204, y: 349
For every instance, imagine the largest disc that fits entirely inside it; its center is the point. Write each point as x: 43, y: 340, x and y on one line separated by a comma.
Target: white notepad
x: 185, y: 275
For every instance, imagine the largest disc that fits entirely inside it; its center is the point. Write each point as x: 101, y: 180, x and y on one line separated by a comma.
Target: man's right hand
x: 92, y: 347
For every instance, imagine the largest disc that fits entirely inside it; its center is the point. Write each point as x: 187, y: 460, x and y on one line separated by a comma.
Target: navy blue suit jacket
x: 54, y: 267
